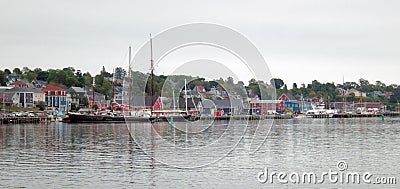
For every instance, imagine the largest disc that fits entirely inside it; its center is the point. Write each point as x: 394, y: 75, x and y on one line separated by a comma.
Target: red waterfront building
x: 56, y: 97
x: 267, y: 106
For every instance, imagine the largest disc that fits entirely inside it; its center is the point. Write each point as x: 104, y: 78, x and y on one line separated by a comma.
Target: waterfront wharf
x: 15, y: 120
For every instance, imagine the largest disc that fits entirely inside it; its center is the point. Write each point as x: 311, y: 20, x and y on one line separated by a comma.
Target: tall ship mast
x: 129, y: 81
x: 151, y: 73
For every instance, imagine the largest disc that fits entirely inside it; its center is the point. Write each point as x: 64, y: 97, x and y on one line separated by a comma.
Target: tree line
x: 69, y: 76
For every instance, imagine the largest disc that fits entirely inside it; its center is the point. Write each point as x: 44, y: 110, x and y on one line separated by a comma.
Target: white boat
x: 300, y: 116
x: 319, y: 109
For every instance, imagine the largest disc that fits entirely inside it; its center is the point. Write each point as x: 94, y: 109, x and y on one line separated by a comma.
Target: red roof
x: 19, y: 83
x: 52, y: 88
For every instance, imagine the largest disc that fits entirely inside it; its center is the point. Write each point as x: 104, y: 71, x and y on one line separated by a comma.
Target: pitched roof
x: 191, y: 102
x: 34, y: 90
x: 77, y: 89
x: 228, y: 103
x: 19, y: 83
x: 288, y: 95
x: 266, y: 101
x: 52, y: 88
x: 15, y: 90
x: 207, y: 103
x: 39, y: 83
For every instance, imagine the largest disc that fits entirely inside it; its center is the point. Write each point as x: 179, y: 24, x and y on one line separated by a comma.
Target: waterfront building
x: 19, y: 97
x: 55, y: 97
x: 264, y: 107
x: 290, y: 102
x: 369, y: 105
x: 38, y: 95
x: 75, y: 96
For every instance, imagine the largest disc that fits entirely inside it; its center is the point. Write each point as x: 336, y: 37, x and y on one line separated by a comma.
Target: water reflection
x: 62, y: 155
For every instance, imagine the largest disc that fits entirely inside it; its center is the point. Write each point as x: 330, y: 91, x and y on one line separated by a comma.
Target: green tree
x: 365, y: 86
x: 253, y: 88
x: 85, y: 101
x: 2, y: 78
x: 229, y: 80
x: 41, y: 105
x: 25, y: 70
x: 278, y: 83
x: 71, y: 81
x: 37, y: 70
x: 312, y: 94
x: 285, y: 89
x: 17, y: 71
x: 81, y: 80
x: 42, y: 75
x: 120, y: 73
x: 95, y: 107
x: 104, y: 73
x: 294, y: 86
x: 7, y: 71
x: 88, y: 79
x: 30, y: 76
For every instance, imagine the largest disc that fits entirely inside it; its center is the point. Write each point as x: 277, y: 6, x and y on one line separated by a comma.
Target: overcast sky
x: 300, y: 40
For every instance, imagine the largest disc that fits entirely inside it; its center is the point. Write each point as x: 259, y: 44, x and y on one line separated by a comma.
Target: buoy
x: 171, y: 121
x: 383, y: 118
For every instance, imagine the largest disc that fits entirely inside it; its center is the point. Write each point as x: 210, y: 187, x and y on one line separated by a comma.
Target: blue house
x: 290, y: 102
x: 294, y: 106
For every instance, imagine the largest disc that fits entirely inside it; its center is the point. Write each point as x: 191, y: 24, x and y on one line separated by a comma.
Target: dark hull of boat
x: 77, y: 118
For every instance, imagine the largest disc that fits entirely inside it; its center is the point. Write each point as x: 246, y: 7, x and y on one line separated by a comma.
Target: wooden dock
x: 248, y: 117
x: 356, y: 115
x: 15, y: 120
x: 344, y: 115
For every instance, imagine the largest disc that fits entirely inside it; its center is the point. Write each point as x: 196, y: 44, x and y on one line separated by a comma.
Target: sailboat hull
x: 82, y: 118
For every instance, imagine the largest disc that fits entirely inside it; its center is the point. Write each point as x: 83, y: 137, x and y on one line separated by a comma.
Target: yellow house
x: 356, y: 93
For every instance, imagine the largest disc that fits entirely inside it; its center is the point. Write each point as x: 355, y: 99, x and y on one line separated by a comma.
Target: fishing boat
x: 319, y: 110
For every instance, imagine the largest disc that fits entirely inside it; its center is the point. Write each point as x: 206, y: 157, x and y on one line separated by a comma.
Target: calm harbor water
x: 212, y: 155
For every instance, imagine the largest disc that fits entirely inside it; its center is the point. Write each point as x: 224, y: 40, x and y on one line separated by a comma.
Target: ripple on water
x: 104, y: 156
